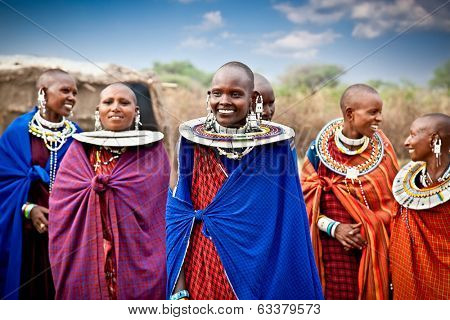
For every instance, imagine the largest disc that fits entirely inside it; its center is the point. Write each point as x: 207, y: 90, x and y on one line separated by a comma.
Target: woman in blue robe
x: 31, y: 149
x: 236, y: 219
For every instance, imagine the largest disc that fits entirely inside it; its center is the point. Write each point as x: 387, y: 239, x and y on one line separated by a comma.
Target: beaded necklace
x: 232, y: 153
x: 349, y: 172
x: 117, y: 153
x: 408, y: 194
x: 54, y: 136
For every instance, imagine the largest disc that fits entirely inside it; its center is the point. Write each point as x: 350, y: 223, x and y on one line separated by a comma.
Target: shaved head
x: 261, y: 81
x: 438, y: 123
x: 241, y: 66
x: 51, y: 76
x: 353, y: 93
x: 119, y: 85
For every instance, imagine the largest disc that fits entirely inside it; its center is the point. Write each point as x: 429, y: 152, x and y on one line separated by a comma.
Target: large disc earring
x: 137, y: 120
x: 41, y: 101
x: 210, y: 118
x: 97, y: 123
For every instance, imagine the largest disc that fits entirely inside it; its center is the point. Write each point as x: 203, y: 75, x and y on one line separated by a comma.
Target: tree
x: 183, y: 73
x: 311, y: 76
x: 441, y: 77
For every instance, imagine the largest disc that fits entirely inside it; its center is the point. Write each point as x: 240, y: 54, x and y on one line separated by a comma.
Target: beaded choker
x: 351, y: 142
x: 225, y: 130
x: 349, y: 172
x: 409, y: 195
x: 53, y: 138
x: 49, y: 124
x: 337, y: 139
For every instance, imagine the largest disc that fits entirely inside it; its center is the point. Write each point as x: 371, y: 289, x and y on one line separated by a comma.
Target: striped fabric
x: 136, y: 193
x: 420, y: 256
x: 373, y: 274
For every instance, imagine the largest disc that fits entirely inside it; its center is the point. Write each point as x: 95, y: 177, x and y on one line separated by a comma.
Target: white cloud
x: 376, y: 18
x: 297, y: 44
x: 196, y: 43
x: 372, y: 18
x: 211, y: 20
x: 228, y: 35
x: 316, y: 11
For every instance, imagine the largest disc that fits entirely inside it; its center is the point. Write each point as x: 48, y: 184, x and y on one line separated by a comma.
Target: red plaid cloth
x: 108, y: 244
x: 341, y: 267
x: 204, y: 272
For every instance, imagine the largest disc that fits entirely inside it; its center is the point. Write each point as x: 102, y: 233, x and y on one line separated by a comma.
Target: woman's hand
x: 38, y: 216
x: 349, y: 235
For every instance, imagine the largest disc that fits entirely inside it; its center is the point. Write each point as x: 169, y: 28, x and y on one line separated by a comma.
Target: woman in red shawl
x: 107, y: 210
x: 420, y: 241
x: 346, y: 182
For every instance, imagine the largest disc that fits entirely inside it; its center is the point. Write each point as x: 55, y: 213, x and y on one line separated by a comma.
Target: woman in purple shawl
x: 107, y: 225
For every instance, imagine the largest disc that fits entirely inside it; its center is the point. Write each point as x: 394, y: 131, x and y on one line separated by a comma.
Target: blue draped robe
x: 16, y: 176
x: 257, y: 222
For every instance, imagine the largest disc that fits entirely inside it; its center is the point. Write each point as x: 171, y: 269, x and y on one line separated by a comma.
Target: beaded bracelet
x: 26, y: 209
x: 180, y: 295
x: 327, y: 225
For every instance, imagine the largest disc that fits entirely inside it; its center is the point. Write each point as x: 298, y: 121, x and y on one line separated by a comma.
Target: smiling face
x: 60, y: 92
x: 363, y: 114
x: 231, y: 96
x: 418, y: 142
x: 117, y: 107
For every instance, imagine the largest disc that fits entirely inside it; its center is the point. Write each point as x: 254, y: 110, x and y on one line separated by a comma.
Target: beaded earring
x: 254, y: 119
x: 97, y: 123
x: 137, y: 120
x: 41, y: 101
x: 437, y: 143
x: 210, y: 118
x: 259, y: 108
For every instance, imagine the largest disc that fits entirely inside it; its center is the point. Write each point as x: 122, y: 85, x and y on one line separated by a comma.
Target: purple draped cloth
x: 135, y: 193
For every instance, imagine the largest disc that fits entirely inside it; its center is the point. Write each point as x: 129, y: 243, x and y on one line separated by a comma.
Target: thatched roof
x: 15, y: 66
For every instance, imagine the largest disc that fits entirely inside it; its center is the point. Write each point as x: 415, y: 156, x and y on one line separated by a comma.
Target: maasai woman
x: 346, y: 179
x: 31, y: 150
x: 264, y: 88
x: 107, y: 208
x: 420, y: 241
x: 236, y: 220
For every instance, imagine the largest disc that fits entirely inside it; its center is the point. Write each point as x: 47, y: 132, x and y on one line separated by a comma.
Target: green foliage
x: 441, y: 77
x: 307, y: 78
x: 183, y: 73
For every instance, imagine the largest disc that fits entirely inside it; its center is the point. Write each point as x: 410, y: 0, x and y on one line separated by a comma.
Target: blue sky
x: 268, y: 35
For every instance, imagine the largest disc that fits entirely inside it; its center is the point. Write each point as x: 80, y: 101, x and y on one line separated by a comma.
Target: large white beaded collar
x: 350, y: 172
x: 129, y: 138
x: 411, y: 196
x: 195, y: 131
